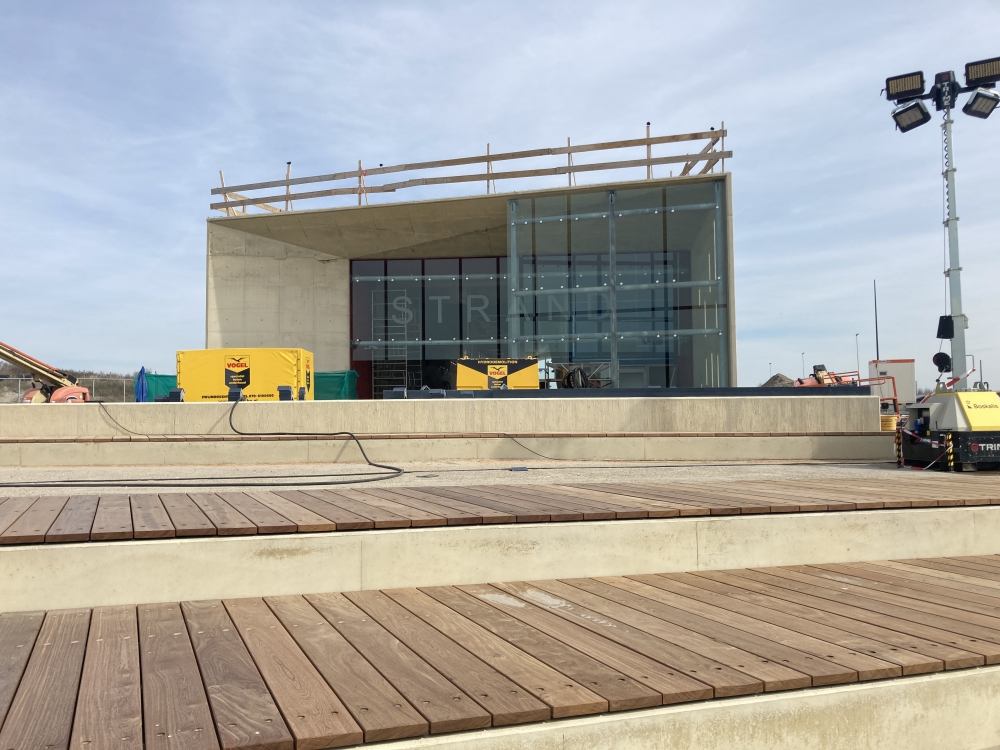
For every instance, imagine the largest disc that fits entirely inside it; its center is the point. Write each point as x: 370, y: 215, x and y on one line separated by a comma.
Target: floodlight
x: 905, y: 86
x: 983, y: 71
x: 982, y: 103
x: 910, y: 116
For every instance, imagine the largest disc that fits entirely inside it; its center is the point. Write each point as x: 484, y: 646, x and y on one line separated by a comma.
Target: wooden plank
x: 345, y: 520
x: 598, y: 500
x: 507, y: 702
x: 18, y: 631
x: 149, y: 519
x: 31, y: 526
x: 244, y: 712
x: 417, y: 517
x: 186, y: 517
x: 109, y: 706
x: 674, y: 686
x: 12, y: 509
x: 486, y: 515
x: 113, y: 519
x: 175, y: 708
x: 41, y: 715
x: 563, y: 695
x: 520, y: 511
x: 619, y: 691
x: 312, y: 711
x: 382, y: 712
x: 901, y: 575
x: 644, y: 499
x: 553, y: 511
x: 304, y: 519
x: 820, y: 641
x: 73, y: 524
x: 814, y: 609
x: 266, y: 519
x: 446, y: 708
x: 381, y: 518
x: 452, y: 516
x: 723, y: 679
x: 226, y: 519
x: 753, y: 657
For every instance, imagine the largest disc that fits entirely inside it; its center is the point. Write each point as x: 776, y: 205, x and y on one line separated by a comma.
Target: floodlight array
x: 982, y: 72
x: 982, y: 103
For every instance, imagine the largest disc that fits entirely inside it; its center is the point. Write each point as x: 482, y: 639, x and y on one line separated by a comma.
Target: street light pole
x: 954, y: 272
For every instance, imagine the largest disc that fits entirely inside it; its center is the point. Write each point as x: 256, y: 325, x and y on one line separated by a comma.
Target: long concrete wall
x: 622, y: 415
x: 262, y: 292
x: 53, y: 576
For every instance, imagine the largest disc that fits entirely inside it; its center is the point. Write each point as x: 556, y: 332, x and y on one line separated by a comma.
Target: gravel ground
x: 20, y: 481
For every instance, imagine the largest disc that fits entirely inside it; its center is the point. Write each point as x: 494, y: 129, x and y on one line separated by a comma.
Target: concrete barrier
x: 601, y: 415
x: 54, y: 576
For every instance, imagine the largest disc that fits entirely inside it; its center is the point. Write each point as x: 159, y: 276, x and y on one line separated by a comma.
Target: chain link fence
x: 101, y: 389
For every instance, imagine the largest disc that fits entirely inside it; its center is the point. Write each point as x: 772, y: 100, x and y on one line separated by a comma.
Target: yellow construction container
x: 208, y: 374
x: 490, y: 374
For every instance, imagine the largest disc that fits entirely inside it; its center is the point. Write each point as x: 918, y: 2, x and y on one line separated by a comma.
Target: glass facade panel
x: 628, y: 284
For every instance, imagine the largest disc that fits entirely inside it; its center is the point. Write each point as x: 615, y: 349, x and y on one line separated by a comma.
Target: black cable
x: 214, y: 482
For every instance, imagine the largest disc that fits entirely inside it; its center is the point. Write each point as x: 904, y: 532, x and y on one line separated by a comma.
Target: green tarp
x: 157, y: 385
x: 333, y: 386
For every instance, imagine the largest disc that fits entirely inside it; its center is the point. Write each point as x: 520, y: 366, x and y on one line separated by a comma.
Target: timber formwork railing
x: 235, y: 202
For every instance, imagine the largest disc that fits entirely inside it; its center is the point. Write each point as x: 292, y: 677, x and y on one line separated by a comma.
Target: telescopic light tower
x: 907, y: 92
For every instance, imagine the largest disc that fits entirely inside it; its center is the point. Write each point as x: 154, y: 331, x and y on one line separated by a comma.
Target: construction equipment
x: 883, y: 386
x: 952, y: 430
x: 254, y: 374
x: 49, y: 385
x: 493, y: 374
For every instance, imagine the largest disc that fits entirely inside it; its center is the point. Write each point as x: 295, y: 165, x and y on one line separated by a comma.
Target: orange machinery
x: 823, y: 378
x: 53, y: 386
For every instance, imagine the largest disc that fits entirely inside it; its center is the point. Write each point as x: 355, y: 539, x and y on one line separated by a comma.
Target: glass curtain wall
x: 626, y: 284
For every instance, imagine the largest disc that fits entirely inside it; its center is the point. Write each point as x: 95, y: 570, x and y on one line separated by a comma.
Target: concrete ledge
x: 56, y: 576
x: 635, y: 447
x: 953, y: 710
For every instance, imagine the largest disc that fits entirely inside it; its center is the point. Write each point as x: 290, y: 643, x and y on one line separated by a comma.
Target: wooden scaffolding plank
x: 244, y: 712
x: 777, y: 668
x: 312, y: 711
x: 73, y: 524
x: 446, y: 708
x: 673, y: 685
x: 563, y: 695
x: 762, y: 623
x: 149, y: 518
x: 620, y: 691
x: 382, y: 712
x: 18, y: 631
x: 226, y: 519
x: 507, y: 702
x: 381, y: 518
x: 109, y: 706
x: 909, y: 662
x: 175, y: 708
x: 32, y: 525
x: 815, y: 609
x: 345, y: 520
x: 41, y: 715
x: 452, y: 516
x: 266, y: 519
x: 304, y: 519
x: 187, y: 518
x: 13, y: 508
x: 723, y: 679
x: 113, y: 519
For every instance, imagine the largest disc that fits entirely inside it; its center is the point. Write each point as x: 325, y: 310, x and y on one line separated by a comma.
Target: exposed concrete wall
x: 591, y: 415
x: 52, y: 576
x: 391, y: 451
x: 262, y: 292
x: 953, y: 710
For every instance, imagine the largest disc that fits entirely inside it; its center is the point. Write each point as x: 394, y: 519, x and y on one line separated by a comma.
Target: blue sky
x: 116, y: 118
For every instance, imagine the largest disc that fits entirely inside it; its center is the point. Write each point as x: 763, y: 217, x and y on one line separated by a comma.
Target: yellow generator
x: 492, y: 374
x: 261, y: 374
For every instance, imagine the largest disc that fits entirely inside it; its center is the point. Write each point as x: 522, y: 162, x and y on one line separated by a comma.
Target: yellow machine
x: 491, y: 374
x: 953, y: 431
x: 210, y: 374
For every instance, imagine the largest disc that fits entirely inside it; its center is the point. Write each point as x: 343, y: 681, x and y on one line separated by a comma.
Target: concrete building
x: 633, y: 280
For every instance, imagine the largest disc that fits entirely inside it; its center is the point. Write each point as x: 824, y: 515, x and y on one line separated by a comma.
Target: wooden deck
x: 81, y: 518
x: 329, y: 670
